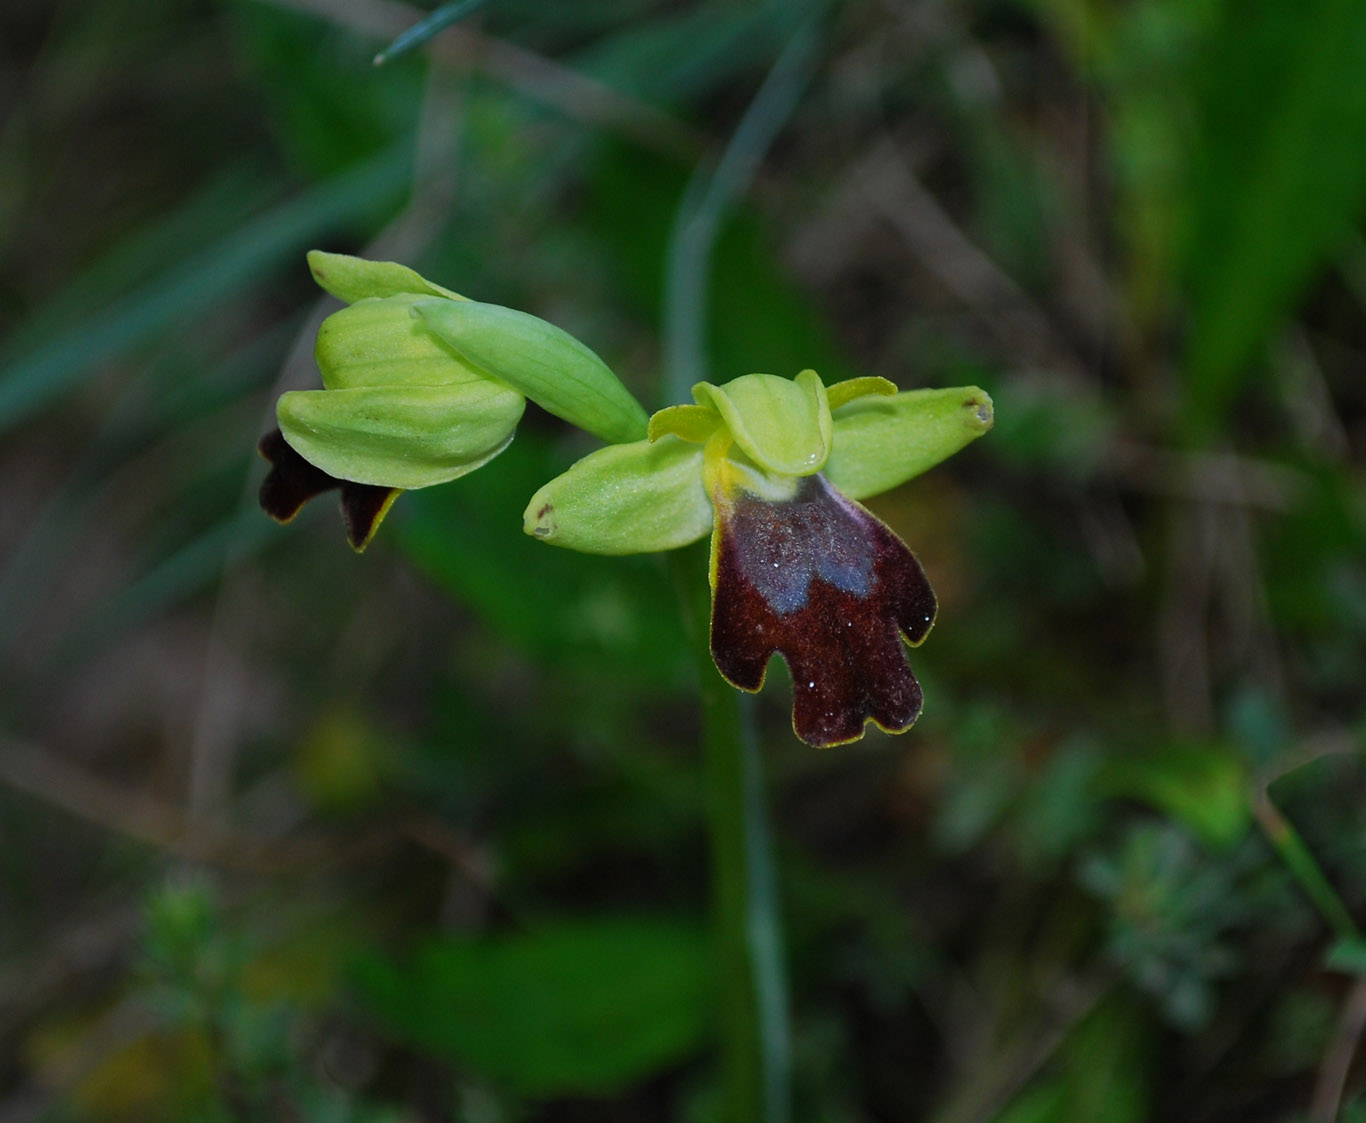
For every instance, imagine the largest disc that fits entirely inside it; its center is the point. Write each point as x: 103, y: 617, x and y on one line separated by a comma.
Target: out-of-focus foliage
x: 592, y: 1007
x: 288, y: 834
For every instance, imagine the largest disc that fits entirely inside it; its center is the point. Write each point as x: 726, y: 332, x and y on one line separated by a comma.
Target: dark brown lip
x: 821, y: 581
x: 292, y: 481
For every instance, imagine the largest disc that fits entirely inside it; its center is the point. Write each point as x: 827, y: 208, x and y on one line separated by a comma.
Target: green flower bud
x: 401, y: 436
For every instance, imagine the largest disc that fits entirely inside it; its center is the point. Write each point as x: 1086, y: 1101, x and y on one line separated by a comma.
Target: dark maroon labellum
x: 824, y: 583
x: 293, y: 481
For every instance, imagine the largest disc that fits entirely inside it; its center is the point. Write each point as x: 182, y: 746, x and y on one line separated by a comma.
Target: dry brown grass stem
x: 1337, y: 1062
x: 45, y: 775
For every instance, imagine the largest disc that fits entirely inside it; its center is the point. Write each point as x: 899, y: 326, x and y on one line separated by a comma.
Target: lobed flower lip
x: 292, y: 481
x: 821, y: 581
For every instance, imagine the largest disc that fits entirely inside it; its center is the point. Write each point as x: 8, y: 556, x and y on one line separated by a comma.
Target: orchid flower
x: 773, y: 469
x: 421, y: 386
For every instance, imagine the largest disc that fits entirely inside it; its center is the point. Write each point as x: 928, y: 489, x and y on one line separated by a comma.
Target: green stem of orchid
x: 753, y: 984
x: 757, y: 1051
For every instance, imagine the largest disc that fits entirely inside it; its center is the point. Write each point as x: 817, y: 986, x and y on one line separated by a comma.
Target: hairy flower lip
x: 821, y: 581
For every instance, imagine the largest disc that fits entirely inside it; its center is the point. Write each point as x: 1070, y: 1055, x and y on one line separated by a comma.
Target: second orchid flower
x: 422, y: 386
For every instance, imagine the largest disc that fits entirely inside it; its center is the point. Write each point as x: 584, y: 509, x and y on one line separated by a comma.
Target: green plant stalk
x: 1288, y: 844
x: 748, y: 931
x: 757, y: 1051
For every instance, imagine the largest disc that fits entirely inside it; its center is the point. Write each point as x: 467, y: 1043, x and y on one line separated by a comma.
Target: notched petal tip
x: 824, y: 583
x: 540, y: 522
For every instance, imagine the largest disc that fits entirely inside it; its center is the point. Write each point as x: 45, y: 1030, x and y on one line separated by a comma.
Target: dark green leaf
x: 583, y: 1007
x: 1278, y: 176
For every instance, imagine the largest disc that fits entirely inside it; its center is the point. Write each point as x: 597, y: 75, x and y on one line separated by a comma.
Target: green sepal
x: 691, y: 423
x: 378, y: 342
x: 625, y: 499
x: 400, y: 436
x: 354, y: 278
x: 842, y: 393
x: 883, y: 442
x: 536, y: 358
x: 782, y: 424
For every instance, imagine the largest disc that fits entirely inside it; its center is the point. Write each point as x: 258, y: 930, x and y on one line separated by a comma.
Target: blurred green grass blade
x: 1305, y: 869
x: 33, y: 380
x: 759, y: 318
x: 682, y: 55
x: 49, y: 537
x: 1347, y: 955
x: 172, y: 580
x: 705, y: 203
x: 213, y: 211
x: 423, y: 30
x: 1201, y: 786
x: 1278, y: 177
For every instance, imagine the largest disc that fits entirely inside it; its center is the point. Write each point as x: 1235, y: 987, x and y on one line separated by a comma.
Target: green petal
x: 548, y: 365
x: 692, y: 423
x: 783, y: 425
x: 400, y: 436
x: 842, y: 393
x: 378, y: 342
x: 882, y: 442
x: 354, y: 278
x: 625, y: 499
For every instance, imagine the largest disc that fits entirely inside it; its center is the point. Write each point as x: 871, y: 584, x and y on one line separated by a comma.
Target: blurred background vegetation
x: 288, y: 834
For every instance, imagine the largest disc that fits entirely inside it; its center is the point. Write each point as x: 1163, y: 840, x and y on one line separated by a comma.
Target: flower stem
x: 757, y: 1051
x: 1298, y: 859
x: 749, y: 940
